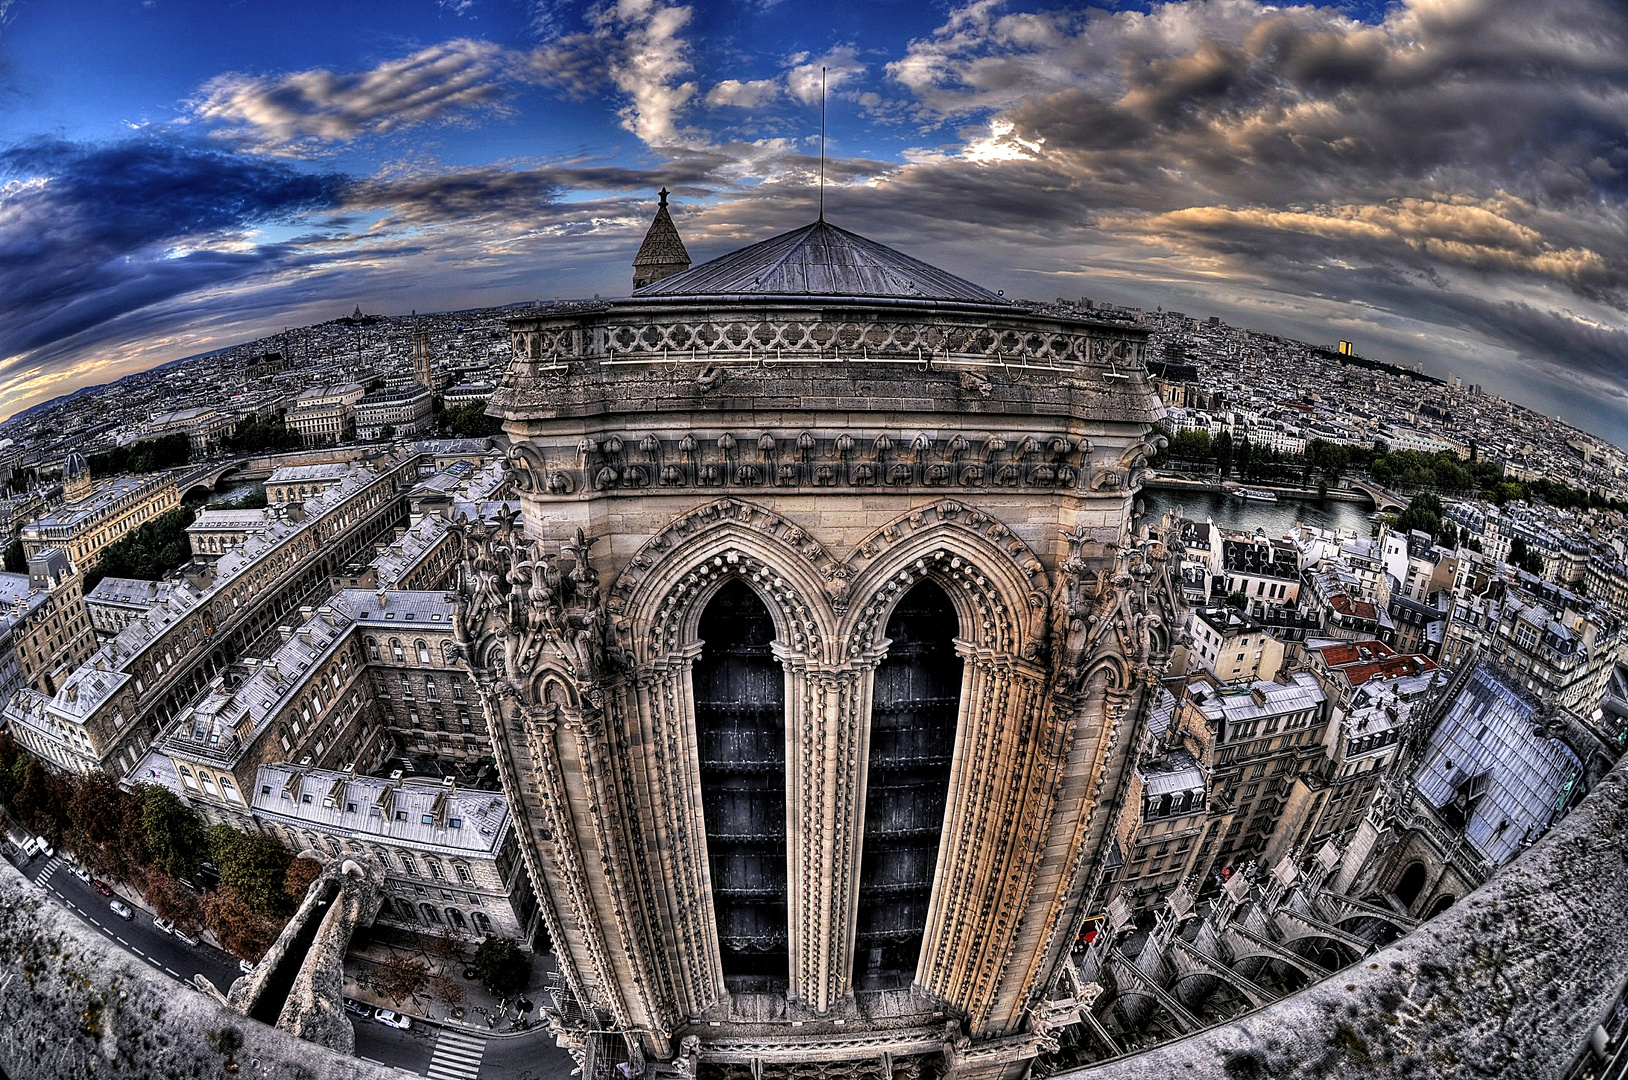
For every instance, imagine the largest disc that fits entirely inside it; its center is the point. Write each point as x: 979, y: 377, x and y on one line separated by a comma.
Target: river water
x: 234, y: 492
x: 1232, y: 512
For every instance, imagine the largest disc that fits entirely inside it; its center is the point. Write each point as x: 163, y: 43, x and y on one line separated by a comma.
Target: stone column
x: 991, y: 830
x: 664, y: 700
x: 827, y: 727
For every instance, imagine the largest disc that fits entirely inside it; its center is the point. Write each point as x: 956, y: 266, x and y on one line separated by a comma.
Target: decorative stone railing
x: 1507, y: 982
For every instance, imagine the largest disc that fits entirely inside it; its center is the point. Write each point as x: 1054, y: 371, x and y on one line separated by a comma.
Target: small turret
x: 662, y: 254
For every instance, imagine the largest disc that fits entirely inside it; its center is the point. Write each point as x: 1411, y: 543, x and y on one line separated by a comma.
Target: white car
x: 247, y: 967
x: 121, y: 909
x: 392, y: 1019
x: 82, y: 874
x: 164, y: 925
x: 184, y: 937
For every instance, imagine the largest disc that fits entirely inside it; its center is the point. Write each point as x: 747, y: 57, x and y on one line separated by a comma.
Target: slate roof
x: 820, y: 260
x: 1517, y: 782
x: 662, y: 246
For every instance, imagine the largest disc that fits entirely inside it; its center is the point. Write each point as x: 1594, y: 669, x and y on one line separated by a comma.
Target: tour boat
x: 1255, y: 493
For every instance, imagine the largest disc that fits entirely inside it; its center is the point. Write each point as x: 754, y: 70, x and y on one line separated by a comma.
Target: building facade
x: 213, y: 533
x: 325, y: 414
x: 99, y: 512
x: 297, y: 483
x: 395, y: 412
x: 450, y: 854
x: 817, y: 672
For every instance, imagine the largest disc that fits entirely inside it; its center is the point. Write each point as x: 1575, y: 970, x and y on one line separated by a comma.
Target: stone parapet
x: 77, y: 1006
x: 1507, y: 982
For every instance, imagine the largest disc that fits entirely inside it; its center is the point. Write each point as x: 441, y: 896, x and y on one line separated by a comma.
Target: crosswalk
x: 457, y: 1056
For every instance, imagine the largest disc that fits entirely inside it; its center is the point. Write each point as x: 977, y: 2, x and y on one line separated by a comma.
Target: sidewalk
x: 481, y: 1013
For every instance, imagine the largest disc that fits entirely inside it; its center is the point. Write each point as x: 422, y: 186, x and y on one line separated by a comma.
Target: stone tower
x: 76, y: 481
x: 662, y: 254
x: 818, y: 654
x: 423, y: 362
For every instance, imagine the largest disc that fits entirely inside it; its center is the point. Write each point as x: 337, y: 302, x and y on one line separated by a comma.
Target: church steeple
x: 662, y: 254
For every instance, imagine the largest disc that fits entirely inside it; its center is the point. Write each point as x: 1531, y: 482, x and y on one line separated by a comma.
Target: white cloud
x: 304, y: 111
x: 840, y: 65
x: 744, y: 95
x: 647, y: 61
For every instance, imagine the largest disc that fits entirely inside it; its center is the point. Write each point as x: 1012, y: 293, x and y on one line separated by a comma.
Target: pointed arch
x: 740, y: 731
x: 997, y: 583
x: 915, y: 711
x: 665, y: 586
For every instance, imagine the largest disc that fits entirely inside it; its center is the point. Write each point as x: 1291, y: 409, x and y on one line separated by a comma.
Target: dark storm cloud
x: 88, y: 233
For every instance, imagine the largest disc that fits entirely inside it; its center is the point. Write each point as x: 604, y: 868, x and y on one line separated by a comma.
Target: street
x: 138, y: 935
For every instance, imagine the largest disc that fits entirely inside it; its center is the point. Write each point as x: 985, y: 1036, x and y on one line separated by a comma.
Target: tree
x: 240, y: 929
x: 502, y: 966
x: 254, y: 435
x: 298, y: 877
x: 470, y: 421
x: 16, y: 560
x: 41, y: 799
x: 174, y: 835
x: 149, y: 552
x: 173, y: 901
x: 164, y: 452
x: 400, y: 976
x: 96, y: 808
x: 447, y: 990
x: 254, y: 866
x: 1520, y: 555
x: 388, y: 431
x: 1223, y: 453
x: 1238, y: 599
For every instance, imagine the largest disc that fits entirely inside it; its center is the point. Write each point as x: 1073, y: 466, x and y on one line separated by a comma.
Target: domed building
x: 76, y: 484
x: 819, y: 652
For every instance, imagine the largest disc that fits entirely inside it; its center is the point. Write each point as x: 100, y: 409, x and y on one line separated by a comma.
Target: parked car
x: 185, y: 937
x: 357, y: 1008
x: 246, y: 966
x: 82, y: 874
x: 101, y: 886
x: 46, y: 849
x: 121, y: 909
x: 392, y: 1019
x: 164, y: 925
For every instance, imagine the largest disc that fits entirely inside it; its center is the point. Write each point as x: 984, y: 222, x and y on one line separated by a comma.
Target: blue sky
x: 1442, y: 181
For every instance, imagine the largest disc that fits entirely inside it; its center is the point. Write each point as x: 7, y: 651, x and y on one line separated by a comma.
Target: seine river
x: 1232, y: 512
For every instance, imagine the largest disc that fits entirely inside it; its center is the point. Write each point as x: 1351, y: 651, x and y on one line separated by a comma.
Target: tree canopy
x: 164, y: 452
x: 150, y: 552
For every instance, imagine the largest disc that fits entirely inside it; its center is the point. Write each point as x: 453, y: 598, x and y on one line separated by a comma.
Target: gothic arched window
x: 915, y: 704
x: 740, y: 727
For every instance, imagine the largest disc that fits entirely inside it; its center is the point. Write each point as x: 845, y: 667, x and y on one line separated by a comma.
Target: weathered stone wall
x: 75, y: 1005
x: 1507, y: 983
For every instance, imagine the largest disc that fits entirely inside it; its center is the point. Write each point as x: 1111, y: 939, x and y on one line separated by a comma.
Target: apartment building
x: 450, y: 854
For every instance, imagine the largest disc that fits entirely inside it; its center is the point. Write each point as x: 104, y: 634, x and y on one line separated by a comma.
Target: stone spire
x: 662, y: 254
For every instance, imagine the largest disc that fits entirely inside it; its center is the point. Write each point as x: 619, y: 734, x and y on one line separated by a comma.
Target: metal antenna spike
x: 822, y: 142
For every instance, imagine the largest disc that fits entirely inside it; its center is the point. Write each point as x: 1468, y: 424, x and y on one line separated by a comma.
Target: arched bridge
x: 1385, y: 500
x: 205, y: 477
